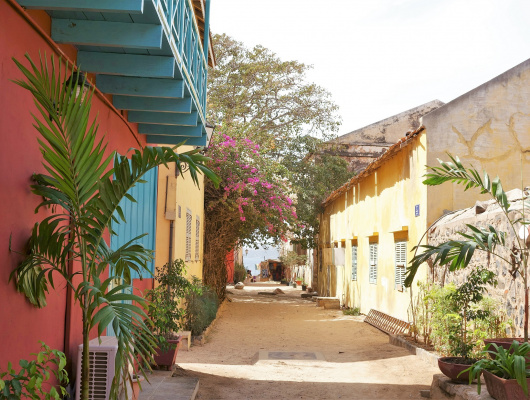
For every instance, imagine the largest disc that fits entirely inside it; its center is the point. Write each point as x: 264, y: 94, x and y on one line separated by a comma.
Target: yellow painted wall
x: 188, y: 196
x: 379, y: 208
x: 488, y: 127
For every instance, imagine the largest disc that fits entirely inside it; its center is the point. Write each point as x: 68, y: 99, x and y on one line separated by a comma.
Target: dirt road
x: 284, y: 347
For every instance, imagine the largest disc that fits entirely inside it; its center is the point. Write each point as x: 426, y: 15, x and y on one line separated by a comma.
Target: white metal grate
x: 401, y: 264
x: 197, y: 237
x: 373, y: 263
x: 354, y: 263
x: 101, y: 367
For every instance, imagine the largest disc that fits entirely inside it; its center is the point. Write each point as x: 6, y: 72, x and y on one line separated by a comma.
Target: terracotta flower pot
x: 136, y: 386
x: 298, y: 282
x: 167, y: 358
x: 504, y: 343
x: 504, y: 389
x: 453, y: 366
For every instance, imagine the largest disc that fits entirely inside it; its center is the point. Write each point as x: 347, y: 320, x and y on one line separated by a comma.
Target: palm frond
x: 454, y: 171
x: 457, y: 254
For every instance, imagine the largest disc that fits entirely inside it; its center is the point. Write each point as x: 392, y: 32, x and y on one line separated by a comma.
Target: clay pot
x: 504, y: 389
x: 167, y: 358
x: 453, y: 366
x: 504, y: 343
x: 136, y: 386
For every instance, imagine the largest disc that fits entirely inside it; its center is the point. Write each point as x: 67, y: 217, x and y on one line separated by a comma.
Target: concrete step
x: 163, y: 386
x: 328, y: 302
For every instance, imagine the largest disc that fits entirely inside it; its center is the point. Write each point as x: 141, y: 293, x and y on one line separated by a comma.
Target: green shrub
x: 31, y: 381
x: 352, y: 311
x: 201, y: 308
x: 455, y: 320
x: 240, y: 273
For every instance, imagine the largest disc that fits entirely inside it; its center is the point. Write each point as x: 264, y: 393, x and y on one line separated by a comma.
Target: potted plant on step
x: 506, y: 372
x: 165, y: 311
x: 464, y: 309
x: 304, y: 285
x: 457, y: 254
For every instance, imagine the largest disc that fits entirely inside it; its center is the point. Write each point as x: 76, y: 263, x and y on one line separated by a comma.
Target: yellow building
x: 180, y: 219
x: 370, y: 225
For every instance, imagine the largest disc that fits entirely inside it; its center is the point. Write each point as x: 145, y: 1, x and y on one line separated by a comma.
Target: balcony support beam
x: 163, y: 118
x: 119, y: 6
x: 174, y: 140
x: 147, y: 87
x: 171, y: 130
x: 104, y: 33
x: 126, y: 64
x: 152, y: 104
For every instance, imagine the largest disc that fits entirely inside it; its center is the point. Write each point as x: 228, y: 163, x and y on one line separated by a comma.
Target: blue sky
x: 381, y: 57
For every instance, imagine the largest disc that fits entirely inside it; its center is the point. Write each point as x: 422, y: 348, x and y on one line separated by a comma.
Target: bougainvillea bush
x: 251, y: 204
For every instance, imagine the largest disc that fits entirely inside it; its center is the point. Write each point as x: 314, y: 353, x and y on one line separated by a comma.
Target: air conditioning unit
x: 101, y: 367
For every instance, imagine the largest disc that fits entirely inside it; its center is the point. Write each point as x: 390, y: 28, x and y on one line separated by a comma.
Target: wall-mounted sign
x: 417, y: 210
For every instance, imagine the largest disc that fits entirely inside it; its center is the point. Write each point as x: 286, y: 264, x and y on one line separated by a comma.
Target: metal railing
x: 181, y: 28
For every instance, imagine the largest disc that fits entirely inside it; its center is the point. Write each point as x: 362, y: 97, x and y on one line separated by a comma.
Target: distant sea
x: 255, y: 256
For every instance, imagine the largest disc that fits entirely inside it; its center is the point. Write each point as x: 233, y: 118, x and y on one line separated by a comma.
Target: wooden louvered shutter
x: 354, y: 263
x: 373, y: 263
x: 401, y: 264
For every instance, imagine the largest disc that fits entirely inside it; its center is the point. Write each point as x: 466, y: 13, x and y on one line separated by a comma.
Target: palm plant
x: 457, y: 254
x: 84, y: 189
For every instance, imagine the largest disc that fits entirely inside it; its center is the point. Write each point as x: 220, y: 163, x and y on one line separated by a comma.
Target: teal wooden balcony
x: 152, y: 56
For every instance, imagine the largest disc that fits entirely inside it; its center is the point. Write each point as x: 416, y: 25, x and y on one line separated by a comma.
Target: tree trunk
x: 85, y: 363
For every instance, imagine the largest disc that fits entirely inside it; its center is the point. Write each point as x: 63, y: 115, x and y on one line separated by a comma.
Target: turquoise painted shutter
x: 140, y: 217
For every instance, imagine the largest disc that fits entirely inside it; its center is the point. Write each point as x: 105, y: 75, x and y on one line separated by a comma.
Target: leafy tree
x: 314, y: 174
x: 253, y: 93
x: 251, y: 204
x: 82, y: 187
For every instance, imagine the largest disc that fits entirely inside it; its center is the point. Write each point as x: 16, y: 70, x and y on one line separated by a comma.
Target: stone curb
x: 427, y: 356
x: 442, y: 386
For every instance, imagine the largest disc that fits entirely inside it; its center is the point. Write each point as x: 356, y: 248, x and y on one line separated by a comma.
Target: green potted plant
x: 457, y: 254
x: 31, y: 381
x: 165, y: 309
x: 304, y: 284
x: 463, y: 302
x: 506, y: 372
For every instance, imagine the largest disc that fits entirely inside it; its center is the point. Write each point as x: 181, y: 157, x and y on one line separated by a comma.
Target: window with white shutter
x: 354, y: 263
x: 401, y: 264
x: 197, y: 237
x: 373, y: 263
x: 188, y: 234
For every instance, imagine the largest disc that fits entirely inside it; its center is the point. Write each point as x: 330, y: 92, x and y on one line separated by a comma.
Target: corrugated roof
x: 387, y: 155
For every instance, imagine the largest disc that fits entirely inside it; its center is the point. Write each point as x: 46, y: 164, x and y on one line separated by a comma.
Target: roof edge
x: 393, y: 150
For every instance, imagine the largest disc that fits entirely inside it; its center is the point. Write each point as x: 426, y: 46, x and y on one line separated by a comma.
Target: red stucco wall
x: 22, y: 325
